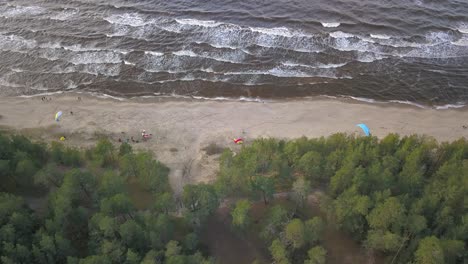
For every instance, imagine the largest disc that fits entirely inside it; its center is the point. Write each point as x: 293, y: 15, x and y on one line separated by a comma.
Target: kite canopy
x: 58, y: 115
x: 238, y: 140
x: 364, y: 128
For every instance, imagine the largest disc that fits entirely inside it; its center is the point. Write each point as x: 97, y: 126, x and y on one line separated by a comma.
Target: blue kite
x: 364, y: 128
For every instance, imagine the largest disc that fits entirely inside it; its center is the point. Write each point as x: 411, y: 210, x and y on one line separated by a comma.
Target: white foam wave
x: 341, y: 34
x: 130, y: 19
x: 331, y: 24
x: 461, y: 42
x: 291, y: 73
x: 64, y: 15
x: 320, y: 66
x: 14, y: 11
x: 218, y: 46
x: 278, y: 31
x: 463, y: 28
x: 4, y: 82
x: 328, y: 66
x: 107, y: 96
x: 196, y: 22
x: 362, y: 99
x: 379, y: 36
x: 221, y: 57
x: 16, y: 43
x: 187, y: 53
x: 407, y: 103
x: 448, y: 106
x: 154, y: 53
x: 41, y: 94
x: 96, y: 57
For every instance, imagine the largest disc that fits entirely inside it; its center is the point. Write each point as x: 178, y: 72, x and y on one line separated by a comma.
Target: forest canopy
x: 401, y: 197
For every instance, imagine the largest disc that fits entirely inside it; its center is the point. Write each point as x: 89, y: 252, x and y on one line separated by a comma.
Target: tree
x: 51, y: 248
x: 240, y: 214
x: 310, y: 164
x: 151, y: 174
x: 24, y: 172
x: 118, y: 204
x: 388, y: 215
x: 278, y: 252
x: 201, y: 200
x: 104, y: 153
x: 17, y: 224
x: 172, y: 249
x: 385, y: 241
x: 314, y: 228
x: 295, y: 233
x: 111, y: 184
x: 191, y: 241
x: 132, y: 257
x: 429, y: 251
x: 265, y: 185
x: 349, y: 211
x: 49, y: 176
x: 317, y: 255
x: 453, y: 250
x: 95, y: 259
x: 133, y: 236
x: 125, y: 149
x: 301, y: 189
x: 276, y: 218
x: 164, y: 202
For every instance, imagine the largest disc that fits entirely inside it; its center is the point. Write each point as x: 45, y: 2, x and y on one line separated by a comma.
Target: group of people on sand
x: 144, y: 137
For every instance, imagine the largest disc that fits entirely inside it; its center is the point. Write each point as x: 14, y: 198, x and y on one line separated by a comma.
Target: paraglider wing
x: 364, y: 128
x: 58, y: 115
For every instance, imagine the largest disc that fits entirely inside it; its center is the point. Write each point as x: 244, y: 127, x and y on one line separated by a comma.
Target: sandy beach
x: 182, y: 129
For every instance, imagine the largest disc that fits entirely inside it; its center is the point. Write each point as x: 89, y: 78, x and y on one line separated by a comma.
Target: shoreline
x: 175, y: 97
x: 183, y: 128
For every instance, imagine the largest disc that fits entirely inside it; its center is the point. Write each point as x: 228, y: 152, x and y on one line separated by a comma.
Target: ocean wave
x: 41, y: 94
x: 15, y: 11
x: 379, y: 36
x: 96, y: 57
x: 281, y: 32
x: 322, y: 66
x: 463, y: 28
x: 278, y: 31
x: 461, y: 42
x: 16, y: 43
x: 448, y: 106
x: 362, y: 99
x: 330, y: 24
x: 196, y: 22
x: 230, y: 57
x: 407, y: 103
x: 154, y: 53
x: 187, y: 53
x: 290, y: 73
x: 341, y: 34
x: 129, y: 19
x: 64, y: 15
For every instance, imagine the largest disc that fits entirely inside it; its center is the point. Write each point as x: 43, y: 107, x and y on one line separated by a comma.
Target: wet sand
x: 182, y: 129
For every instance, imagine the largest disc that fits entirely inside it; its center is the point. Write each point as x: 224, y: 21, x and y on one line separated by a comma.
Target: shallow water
x: 406, y: 50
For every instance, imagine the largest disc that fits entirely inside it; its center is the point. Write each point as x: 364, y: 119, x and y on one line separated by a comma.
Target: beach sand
x: 183, y: 128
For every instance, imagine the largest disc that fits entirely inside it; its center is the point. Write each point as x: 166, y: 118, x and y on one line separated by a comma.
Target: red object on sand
x: 238, y: 140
